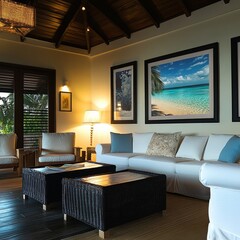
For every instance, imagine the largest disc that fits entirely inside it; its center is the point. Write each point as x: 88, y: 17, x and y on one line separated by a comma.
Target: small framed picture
x: 65, y: 101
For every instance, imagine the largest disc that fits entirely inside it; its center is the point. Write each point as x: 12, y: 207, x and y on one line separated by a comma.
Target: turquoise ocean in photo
x: 190, y: 97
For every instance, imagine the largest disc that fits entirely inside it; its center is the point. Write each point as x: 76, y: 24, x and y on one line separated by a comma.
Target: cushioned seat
x: 187, y: 180
x: 120, y: 159
x: 57, y: 148
x: 9, y: 160
x: 156, y: 164
x: 57, y: 158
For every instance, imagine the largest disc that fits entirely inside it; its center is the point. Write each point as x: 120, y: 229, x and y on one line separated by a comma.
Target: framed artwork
x: 65, y: 101
x: 124, y: 93
x: 183, y: 87
x: 235, y: 50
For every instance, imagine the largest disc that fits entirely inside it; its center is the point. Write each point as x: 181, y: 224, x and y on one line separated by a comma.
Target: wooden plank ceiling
x: 64, y: 22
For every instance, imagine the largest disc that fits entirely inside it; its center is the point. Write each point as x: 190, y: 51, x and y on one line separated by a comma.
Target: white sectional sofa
x: 179, y: 157
x: 224, y: 212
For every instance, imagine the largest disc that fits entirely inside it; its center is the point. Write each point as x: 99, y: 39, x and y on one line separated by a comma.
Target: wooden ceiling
x: 63, y: 22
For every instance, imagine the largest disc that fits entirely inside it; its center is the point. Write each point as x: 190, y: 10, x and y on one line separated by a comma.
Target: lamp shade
x: 92, y: 116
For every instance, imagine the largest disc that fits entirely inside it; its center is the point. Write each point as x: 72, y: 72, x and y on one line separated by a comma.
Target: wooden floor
x: 26, y: 220
x: 185, y: 219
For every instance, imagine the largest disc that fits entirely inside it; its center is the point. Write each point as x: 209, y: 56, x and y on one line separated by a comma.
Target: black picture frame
x: 65, y: 101
x: 235, y: 60
x: 124, y: 93
x: 172, y: 99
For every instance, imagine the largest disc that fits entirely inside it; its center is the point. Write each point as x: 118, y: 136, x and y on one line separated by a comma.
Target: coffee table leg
x: 103, y: 234
x: 25, y: 196
x: 65, y: 217
x: 44, y: 207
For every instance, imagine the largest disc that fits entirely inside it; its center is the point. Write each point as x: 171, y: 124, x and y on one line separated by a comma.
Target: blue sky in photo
x: 186, y: 72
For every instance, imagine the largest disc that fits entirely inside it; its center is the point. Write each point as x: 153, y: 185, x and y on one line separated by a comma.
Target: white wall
x: 218, y: 23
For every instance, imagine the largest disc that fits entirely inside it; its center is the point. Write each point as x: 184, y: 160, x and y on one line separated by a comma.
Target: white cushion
x: 155, y: 164
x: 120, y: 160
x: 192, y: 147
x: 57, y: 158
x: 215, y: 144
x: 8, y: 160
x: 57, y: 143
x: 8, y: 144
x: 189, y: 168
x: 141, y: 142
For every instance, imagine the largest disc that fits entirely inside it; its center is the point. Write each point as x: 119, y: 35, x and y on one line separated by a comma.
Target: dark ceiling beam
x: 185, y: 8
x: 226, y: 1
x: 95, y: 27
x: 87, y: 33
x: 111, y: 15
x: 150, y: 8
x: 69, y: 17
x: 88, y: 41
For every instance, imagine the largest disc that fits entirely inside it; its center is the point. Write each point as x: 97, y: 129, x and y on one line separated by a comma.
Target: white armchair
x: 10, y: 157
x: 57, y: 148
x: 224, y: 211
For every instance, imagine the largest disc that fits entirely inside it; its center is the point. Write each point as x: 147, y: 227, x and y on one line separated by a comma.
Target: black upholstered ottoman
x: 105, y: 201
x: 44, y: 184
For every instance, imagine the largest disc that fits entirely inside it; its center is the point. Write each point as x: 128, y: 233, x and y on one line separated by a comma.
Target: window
x: 27, y: 102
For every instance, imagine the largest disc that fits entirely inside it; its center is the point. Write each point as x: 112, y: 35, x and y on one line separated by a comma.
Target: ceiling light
x: 16, y: 18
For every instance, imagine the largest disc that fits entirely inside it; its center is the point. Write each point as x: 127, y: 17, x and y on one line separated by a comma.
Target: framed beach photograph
x: 235, y: 50
x: 124, y: 93
x: 65, y: 101
x: 183, y: 87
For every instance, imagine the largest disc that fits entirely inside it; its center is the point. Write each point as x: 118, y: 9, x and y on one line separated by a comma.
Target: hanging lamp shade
x: 16, y: 17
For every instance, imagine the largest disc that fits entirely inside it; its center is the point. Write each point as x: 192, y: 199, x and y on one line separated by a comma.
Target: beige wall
x: 206, y: 27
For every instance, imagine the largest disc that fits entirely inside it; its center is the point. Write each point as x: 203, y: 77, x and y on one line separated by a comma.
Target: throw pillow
x: 164, y: 144
x: 215, y: 144
x: 141, y: 142
x: 231, y: 152
x: 192, y: 147
x: 121, y: 143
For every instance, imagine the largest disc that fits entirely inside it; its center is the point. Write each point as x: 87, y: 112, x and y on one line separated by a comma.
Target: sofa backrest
x: 141, y: 142
x: 58, y: 143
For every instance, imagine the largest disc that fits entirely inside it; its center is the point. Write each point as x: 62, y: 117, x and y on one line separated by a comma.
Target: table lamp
x: 91, y: 116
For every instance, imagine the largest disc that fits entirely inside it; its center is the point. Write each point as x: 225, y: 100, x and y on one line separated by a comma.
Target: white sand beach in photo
x: 171, y: 108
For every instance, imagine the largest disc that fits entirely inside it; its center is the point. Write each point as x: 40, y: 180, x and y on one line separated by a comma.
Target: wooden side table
x: 29, y: 158
x: 90, y: 151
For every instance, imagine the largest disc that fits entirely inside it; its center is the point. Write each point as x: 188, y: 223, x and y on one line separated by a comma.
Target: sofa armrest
x: 225, y: 175
x: 103, y: 148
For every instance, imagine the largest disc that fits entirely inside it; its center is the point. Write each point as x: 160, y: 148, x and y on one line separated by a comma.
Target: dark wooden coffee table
x: 108, y: 200
x: 44, y: 184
